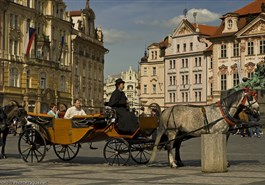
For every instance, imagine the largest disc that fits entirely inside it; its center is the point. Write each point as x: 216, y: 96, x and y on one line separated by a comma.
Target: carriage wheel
x: 141, y: 153
x: 117, y: 151
x: 32, y: 146
x: 66, y: 152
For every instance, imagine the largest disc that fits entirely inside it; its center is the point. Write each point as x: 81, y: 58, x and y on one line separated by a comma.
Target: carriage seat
x: 95, y: 120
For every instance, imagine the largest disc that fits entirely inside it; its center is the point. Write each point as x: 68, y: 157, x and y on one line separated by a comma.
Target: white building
x: 131, y: 86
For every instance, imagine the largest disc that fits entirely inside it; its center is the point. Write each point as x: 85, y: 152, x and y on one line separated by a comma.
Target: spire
x: 87, y: 4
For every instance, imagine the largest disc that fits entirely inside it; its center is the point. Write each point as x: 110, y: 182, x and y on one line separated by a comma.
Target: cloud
x: 114, y: 36
x: 203, y: 16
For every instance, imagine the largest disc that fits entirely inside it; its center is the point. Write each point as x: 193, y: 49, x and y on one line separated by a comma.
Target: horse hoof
x: 3, y: 157
x: 228, y: 165
x: 173, y: 165
x: 180, y: 164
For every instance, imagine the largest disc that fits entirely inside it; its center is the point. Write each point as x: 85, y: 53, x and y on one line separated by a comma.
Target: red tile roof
x: 75, y: 13
x: 252, y: 8
x: 205, y: 29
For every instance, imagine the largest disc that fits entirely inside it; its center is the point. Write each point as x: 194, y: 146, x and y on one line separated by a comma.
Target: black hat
x: 119, y: 81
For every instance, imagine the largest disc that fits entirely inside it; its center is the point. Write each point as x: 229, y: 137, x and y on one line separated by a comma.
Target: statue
x: 99, y: 34
x: 258, y: 81
x: 80, y: 26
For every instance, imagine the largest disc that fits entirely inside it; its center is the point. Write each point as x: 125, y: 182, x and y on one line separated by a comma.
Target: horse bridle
x: 223, y: 108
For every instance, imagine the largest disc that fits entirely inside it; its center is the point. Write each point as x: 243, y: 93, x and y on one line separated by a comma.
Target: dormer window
x: 230, y: 24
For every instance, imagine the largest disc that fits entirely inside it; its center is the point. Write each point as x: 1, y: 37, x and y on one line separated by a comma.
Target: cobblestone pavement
x: 246, y: 156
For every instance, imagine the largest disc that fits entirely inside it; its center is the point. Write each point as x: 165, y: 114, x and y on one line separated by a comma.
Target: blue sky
x: 129, y: 26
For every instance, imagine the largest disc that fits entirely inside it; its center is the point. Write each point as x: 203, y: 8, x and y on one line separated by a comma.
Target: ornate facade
x: 238, y: 46
x: 45, y: 75
x: 186, y: 68
x: 131, y: 79
x: 88, y: 60
x: 152, y: 82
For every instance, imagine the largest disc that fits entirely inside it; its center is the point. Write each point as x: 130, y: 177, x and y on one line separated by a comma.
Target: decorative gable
x: 184, y: 28
x: 258, y: 28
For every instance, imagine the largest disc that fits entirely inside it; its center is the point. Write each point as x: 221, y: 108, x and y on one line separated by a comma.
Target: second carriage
x: 67, y: 135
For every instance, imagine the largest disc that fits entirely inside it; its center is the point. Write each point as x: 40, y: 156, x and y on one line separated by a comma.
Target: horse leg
x: 177, y: 145
x: 160, y: 132
x: 5, y: 133
x: 171, y: 136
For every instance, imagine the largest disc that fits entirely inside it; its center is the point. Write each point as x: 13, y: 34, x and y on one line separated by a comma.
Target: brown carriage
x: 67, y: 135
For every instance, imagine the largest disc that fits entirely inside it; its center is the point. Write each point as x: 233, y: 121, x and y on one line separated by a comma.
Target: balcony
x: 197, y: 69
x: 184, y: 70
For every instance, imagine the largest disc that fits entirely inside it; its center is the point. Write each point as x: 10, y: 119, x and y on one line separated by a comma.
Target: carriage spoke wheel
x: 117, y: 151
x: 141, y: 153
x: 66, y: 152
x: 32, y: 146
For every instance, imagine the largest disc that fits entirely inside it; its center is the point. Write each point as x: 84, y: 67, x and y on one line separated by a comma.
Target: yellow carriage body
x: 79, y: 130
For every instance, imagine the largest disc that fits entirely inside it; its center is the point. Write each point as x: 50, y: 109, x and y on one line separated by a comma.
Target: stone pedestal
x: 213, y: 153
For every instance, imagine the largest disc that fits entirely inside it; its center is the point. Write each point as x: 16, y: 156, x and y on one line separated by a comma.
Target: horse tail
x: 160, y: 132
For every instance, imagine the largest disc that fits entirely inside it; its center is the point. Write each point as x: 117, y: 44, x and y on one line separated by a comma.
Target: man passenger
x: 75, y: 110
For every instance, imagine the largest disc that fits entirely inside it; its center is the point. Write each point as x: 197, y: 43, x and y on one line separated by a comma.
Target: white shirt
x: 73, y: 111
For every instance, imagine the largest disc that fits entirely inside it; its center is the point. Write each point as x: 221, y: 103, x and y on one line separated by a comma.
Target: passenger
x: 118, y: 101
x: 74, y: 110
x: 143, y: 113
x: 53, y: 110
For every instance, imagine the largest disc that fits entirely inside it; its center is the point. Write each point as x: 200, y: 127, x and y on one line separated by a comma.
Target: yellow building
x: 45, y: 75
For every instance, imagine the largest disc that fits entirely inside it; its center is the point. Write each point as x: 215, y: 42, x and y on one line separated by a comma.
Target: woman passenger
x: 53, y: 110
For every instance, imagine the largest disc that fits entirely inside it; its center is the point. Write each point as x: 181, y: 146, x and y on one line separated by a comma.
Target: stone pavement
x: 246, y: 156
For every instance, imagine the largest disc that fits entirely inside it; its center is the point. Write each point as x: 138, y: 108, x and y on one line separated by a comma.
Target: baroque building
x: 238, y: 45
x: 186, y: 67
x: 152, y: 76
x: 88, y: 60
x: 131, y: 79
x: 40, y: 74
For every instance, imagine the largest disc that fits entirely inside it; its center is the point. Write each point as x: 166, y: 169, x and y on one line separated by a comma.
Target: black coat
x: 118, y: 101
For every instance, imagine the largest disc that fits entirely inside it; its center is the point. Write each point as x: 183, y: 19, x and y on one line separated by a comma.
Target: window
x: 250, y: 48
x: 43, y: 80
x: 187, y: 63
x: 196, y: 61
x: 196, y: 78
x: 200, y: 61
x: 191, y: 46
x: 250, y: 75
x: 262, y: 47
x: 211, y: 89
x: 211, y: 64
x: 196, y: 96
x: 154, y: 71
x: 145, y: 70
x: 236, y: 50
x: 200, y: 96
x: 11, y: 24
x: 183, y: 63
x: 174, y: 64
x: 200, y: 78
x: 170, y: 97
x: 173, y: 97
x: 223, y: 51
x: 187, y: 79
x: 170, y: 80
x: 235, y: 79
x: 187, y: 96
x: 145, y: 89
x: 170, y: 64
x: 183, y: 95
x: 177, y: 48
x: 28, y: 79
x: 152, y: 55
x: 223, y: 82
x: 154, y: 88
x: 183, y: 82
x: 155, y: 54
x: 62, y: 84
x: 14, y: 77
x: 184, y: 47
x: 174, y: 80
x: 230, y: 24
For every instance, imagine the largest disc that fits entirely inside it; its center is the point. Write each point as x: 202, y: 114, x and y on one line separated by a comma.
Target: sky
x: 130, y: 26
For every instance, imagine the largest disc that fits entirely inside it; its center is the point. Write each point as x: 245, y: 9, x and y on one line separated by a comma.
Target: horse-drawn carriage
x: 67, y: 135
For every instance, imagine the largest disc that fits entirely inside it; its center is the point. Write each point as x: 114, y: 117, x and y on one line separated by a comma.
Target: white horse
x: 190, y: 120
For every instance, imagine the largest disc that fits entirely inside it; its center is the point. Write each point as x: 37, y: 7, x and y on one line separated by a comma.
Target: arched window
x: 62, y: 83
x: 129, y: 87
x: 14, y: 77
x: 230, y: 24
x: 43, y: 80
